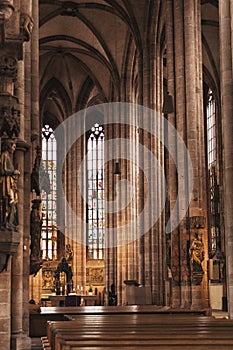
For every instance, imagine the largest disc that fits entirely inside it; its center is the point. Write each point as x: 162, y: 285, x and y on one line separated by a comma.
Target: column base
x: 197, y: 301
x: 20, y: 342
x: 185, y: 296
x: 175, y: 297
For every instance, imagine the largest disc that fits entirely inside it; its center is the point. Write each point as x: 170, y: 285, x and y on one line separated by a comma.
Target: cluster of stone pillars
x: 184, y: 65
x: 19, y: 114
x: 145, y: 259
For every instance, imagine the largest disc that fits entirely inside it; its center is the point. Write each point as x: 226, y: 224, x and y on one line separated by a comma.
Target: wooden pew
x: 144, y: 330
x: 145, y: 340
x: 126, y: 309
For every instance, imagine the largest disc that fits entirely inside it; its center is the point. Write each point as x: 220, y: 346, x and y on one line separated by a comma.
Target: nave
x: 116, y: 124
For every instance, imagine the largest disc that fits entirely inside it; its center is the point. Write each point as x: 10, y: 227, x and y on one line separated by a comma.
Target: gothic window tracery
x: 49, y: 210
x: 95, y: 192
x: 214, y: 216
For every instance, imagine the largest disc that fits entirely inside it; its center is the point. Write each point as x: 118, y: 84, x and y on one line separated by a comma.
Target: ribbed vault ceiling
x: 84, y: 45
x: 84, y: 41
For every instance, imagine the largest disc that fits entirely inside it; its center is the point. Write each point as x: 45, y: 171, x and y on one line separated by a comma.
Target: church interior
x: 116, y: 165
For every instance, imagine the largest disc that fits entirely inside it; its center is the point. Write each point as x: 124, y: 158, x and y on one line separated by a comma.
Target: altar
x: 73, y: 300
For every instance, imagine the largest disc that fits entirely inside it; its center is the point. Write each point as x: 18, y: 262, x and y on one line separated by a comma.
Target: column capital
x: 6, y: 9
x: 22, y: 145
x: 8, y: 67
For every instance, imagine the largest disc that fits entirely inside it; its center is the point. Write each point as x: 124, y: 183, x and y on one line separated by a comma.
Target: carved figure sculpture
x: 8, y: 186
x: 197, y: 254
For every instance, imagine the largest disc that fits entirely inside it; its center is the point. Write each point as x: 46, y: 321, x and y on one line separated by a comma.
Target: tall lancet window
x: 49, y: 212
x: 95, y: 192
x: 214, y: 215
x: 211, y: 129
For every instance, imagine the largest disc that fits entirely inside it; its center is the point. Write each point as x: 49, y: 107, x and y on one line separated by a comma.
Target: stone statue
x: 35, y: 183
x: 68, y: 253
x: 197, y: 254
x: 39, y: 177
x: 26, y: 25
x: 35, y: 228
x: 35, y: 232
x: 9, y: 123
x: 8, y: 187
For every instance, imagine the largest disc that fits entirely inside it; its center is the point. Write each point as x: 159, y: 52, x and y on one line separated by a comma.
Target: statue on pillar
x: 39, y: 177
x: 26, y: 26
x: 8, y: 187
x: 68, y: 254
x: 197, y: 256
x: 35, y: 231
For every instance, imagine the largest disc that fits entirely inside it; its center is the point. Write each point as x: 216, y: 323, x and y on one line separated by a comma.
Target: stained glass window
x: 211, y: 129
x: 49, y: 200
x: 214, y: 216
x: 95, y: 192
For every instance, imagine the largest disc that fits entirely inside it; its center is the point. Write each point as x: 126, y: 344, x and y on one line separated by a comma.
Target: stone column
x: 195, y: 142
x: 147, y: 178
x: 140, y: 180
x: 17, y: 25
x: 17, y: 269
x: 226, y: 71
x: 10, y: 126
x: 31, y: 113
x: 5, y: 307
x: 110, y: 252
x: 78, y: 235
x: 19, y: 274
x: 184, y: 69
x: 118, y: 216
x: 35, y: 120
x: 132, y: 177
x: 20, y: 271
x: 175, y: 53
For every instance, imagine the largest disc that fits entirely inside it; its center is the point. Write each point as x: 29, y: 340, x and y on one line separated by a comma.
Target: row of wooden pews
x: 39, y: 318
x: 139, y: 331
